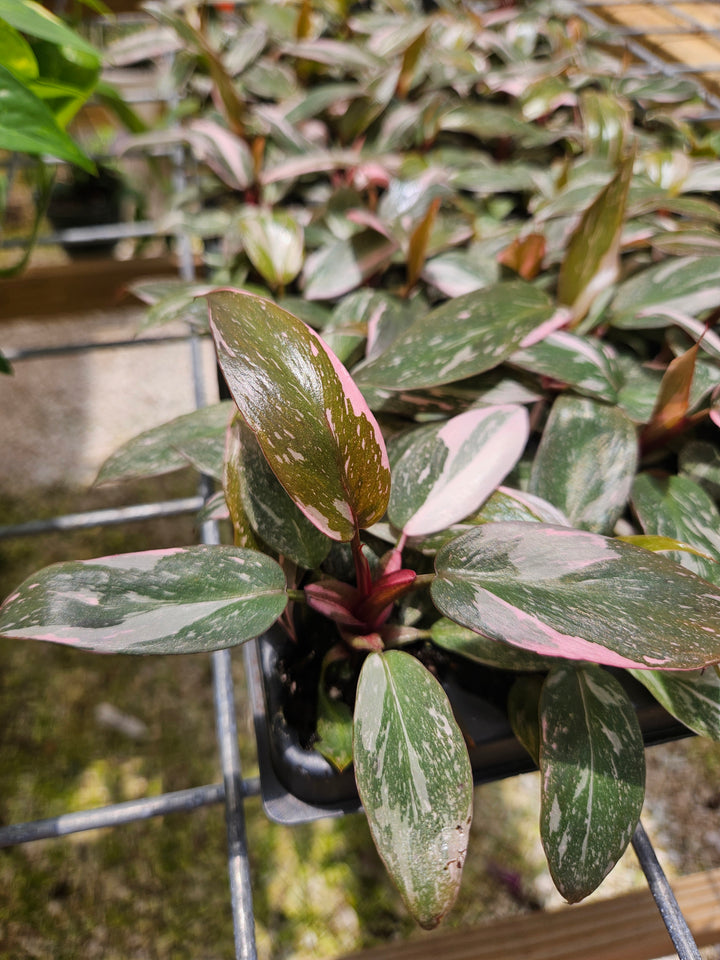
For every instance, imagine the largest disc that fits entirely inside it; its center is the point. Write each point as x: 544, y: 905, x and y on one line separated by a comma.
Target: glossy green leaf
x: 442, y: 472
x: 312, y: 423
x: 592, y: 261
x: 460, y: 271
x: 607, y: 123
x: 414, y: 779
x: 34, y: 20
x: 677, y: 507
x: 273, y: 241
x: 452, y: 637
x: 692, y: 696
x: 581, y: 362
x: 567, y: 593
x: 27, y: 125
x: 687, y: 285
x: 463, y: 337
x: 508, y: 504
x: 342, y: 266
x: 272, y: 514
x: 592, y: 765
x: 586, y: 462
x: 180, y: 600
x: 16, y: 53
x: 196, y: 438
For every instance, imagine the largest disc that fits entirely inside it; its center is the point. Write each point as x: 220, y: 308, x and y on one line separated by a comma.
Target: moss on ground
x: 158, y: 890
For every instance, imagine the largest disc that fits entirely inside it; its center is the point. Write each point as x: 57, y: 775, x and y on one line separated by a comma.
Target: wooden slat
x: 627, y: 927
x: 76, y: 287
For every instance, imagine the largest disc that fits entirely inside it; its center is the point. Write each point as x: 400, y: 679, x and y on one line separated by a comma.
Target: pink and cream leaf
x: 311, y: 421
x: 180, y: 600
x: 567, y: 593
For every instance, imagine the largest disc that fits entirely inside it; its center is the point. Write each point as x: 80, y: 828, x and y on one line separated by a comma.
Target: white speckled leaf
x: 196, y: 438
x: 567, y: 593
x: 586, y: 365
x: 313, y: 425
x: 679, y: 508
x: 179, y: 600
x: 445, y: 471
x: 692, y: 696
x: 586, y: 462
x: 592, y: 767
x: 465, y: 336
x: 414, y: 779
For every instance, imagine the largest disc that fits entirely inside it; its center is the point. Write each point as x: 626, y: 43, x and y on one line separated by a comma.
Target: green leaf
x: 678, y: 508
x: 452, y: 637
x: 586, y: 462
x: 508, y: 504
x: 343, y: 265
x: 523, y: 709
x: 581, y: 362
x: 567, y: 593
x: 196, y: 438
x: 693, y: 697
x: 16, y: 53
x: 700, y: 460
x: 592, y: 260
x: 34, y: 20
x: 463, y: 337
x: 181, y: 600
x: 607, y: 123
x: 273, y: 241
x: 592, y: 765
x: 27, y: 125
x: 442, y: 472
x: 686, y: 285
x: 272, y: 514
x: 335, y: 720
x: 414, y: 779
x: 312, y: 423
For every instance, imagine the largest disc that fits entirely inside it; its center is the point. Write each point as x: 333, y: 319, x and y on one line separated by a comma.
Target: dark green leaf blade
x: 272, y: 514
x: 196, y: 438
x: 415, y: 782
x: 465, y: 336
x: 27, y: 125
x: 592, y: 765
x: 586, y: 462
x: 692, y: 696
x: 567, y: 593
x: 312, y: 423
x: 180, y: 600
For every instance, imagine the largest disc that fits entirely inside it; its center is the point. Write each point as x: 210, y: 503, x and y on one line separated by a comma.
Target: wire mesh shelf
x: 672, y: 37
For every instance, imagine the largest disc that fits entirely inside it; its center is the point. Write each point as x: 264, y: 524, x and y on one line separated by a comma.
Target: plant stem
x: 362, y: 567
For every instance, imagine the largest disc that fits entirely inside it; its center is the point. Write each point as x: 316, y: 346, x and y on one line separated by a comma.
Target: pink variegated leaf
x: 444, y: 472
x: 311, y: 421
x: 181, y: 600
x: 567, y: 593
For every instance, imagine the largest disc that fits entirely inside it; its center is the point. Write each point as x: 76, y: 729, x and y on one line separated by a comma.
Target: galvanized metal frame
x: 235, y: 788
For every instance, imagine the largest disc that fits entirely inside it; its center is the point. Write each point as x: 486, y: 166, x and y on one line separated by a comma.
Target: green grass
x: 158, y: 889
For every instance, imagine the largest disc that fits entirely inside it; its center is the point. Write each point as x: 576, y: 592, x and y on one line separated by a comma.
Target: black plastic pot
x: 299, y: 784
x: 86, y: 201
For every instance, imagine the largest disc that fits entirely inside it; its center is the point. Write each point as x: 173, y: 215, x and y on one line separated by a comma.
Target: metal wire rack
x: 671, y: 37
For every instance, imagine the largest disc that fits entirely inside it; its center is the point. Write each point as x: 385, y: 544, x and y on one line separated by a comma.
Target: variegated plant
x: 308, y: 475
x: 513, y: 246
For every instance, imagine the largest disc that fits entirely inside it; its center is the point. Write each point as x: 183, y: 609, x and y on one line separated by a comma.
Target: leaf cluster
x: 474, y: 385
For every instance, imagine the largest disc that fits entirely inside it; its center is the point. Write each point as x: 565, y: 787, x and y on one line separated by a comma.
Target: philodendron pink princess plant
x: 309, y: 479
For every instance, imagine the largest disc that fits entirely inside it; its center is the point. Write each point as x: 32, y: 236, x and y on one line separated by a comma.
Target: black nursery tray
x: 299, y: 785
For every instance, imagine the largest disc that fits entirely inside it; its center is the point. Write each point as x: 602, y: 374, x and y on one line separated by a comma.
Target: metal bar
x: 35, y: 353
x: 665, y: 900
x: 113, y: 815
x: 105, y: 517
x: 108, y: 231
